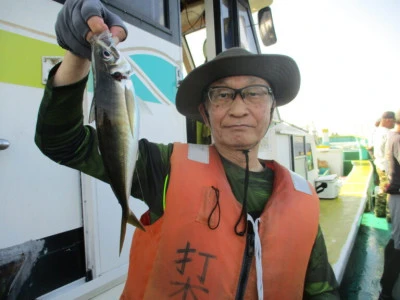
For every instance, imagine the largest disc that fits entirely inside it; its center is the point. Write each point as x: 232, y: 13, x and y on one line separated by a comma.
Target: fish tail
x: 134, y: 221
x: 124, y: 219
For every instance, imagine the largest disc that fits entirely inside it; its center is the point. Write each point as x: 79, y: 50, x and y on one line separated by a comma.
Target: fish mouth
x: 118, y: 76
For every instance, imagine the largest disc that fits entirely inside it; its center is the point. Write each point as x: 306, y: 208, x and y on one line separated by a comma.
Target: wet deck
x: 340, y: 217
x: 364, y: 270
x: 355, y: 238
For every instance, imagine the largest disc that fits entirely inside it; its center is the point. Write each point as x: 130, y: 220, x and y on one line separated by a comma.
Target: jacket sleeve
x: 60, y: 131
x: 320, y: 280
x: 62, y: 136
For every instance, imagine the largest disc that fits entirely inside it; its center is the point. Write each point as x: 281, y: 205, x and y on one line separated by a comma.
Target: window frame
x: 169, y: 33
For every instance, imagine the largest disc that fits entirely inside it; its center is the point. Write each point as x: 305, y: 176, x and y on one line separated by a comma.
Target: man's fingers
x: 118, y: 33
x: 96, y: 25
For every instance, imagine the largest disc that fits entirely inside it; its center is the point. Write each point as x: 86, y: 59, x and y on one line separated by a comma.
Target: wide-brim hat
x: 280, y: 71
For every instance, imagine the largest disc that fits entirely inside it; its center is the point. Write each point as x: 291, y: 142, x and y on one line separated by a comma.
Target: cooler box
x: 332, y: 189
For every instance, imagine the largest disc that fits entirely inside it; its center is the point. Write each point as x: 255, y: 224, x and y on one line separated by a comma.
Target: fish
x: 115, y: 111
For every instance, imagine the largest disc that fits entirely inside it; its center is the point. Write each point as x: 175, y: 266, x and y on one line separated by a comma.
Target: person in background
x: 221, y: 224
x: 370, y: 146
x: 391, y: 268
x: 379, y: 140
x: 370, y: 149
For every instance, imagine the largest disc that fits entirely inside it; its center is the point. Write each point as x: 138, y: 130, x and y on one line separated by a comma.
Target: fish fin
x: 92, y: 111
x: 124, y: 219
x: 130, y: 105
x: 143, y: 107
x: 130, y: 61
x: 135, y: 221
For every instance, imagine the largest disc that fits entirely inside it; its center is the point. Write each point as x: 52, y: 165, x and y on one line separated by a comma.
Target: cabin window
x: 160, y: 18
x: 228, y: 40
x: 246, y: 33
x: 241, y: 33
x: 299, y: 162
x: 196, y: 45
x: 298, y: 146
x: 154, y: 12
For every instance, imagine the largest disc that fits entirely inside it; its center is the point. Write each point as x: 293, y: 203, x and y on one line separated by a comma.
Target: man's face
x: 388, y: 122
x: 239, y: 124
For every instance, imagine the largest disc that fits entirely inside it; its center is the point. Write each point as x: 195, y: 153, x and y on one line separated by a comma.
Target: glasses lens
x: 221, y: 95
x: 255, y: 94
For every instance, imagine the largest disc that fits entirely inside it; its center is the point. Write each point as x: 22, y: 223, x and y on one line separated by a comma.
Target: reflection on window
x: 196, y: 43
x: 246, y: 32
x: 157, y: 17
x: 310, y: 160
x: 246, y: 35
x: 152, y: 9
x: 227, y: 26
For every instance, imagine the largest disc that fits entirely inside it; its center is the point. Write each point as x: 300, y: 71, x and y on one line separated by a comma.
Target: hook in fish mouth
x: 118, y: 76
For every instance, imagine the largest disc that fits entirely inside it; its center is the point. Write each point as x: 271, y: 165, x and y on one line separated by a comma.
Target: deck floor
x: 364, y: 270
x: 340, y: 218
x: 355, y: 238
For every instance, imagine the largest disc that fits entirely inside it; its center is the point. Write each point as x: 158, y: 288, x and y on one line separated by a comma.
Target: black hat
x: 388, y: 115
x: 280, y: 71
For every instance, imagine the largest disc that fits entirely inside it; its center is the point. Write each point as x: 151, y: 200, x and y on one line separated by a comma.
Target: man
x: 379, y: 140
x: 391, y: 269
x: 228, y: 226
x: 370, y: 146
x: 370, y: 149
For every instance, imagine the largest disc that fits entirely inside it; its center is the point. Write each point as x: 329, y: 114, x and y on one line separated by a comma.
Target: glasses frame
x: 238, y: 91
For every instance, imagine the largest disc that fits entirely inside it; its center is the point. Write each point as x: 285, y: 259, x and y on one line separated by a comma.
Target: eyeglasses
x: 251, y: 95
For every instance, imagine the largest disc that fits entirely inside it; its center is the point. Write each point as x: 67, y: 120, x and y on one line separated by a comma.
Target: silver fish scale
x: 117, y: 121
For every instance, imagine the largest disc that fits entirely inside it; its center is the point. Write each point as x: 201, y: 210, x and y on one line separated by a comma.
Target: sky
x: 348, y: 53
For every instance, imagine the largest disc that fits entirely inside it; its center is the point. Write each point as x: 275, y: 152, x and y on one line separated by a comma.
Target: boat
x: 355, y: 238
x: 59, y: 228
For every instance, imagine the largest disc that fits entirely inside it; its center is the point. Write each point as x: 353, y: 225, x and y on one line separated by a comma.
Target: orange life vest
x: 181, y: 257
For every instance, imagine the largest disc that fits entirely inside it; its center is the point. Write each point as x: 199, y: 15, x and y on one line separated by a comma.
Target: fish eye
x: 106, y: 54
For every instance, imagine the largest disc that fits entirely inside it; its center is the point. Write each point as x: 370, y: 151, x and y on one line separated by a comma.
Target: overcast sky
x: 348, y: 52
